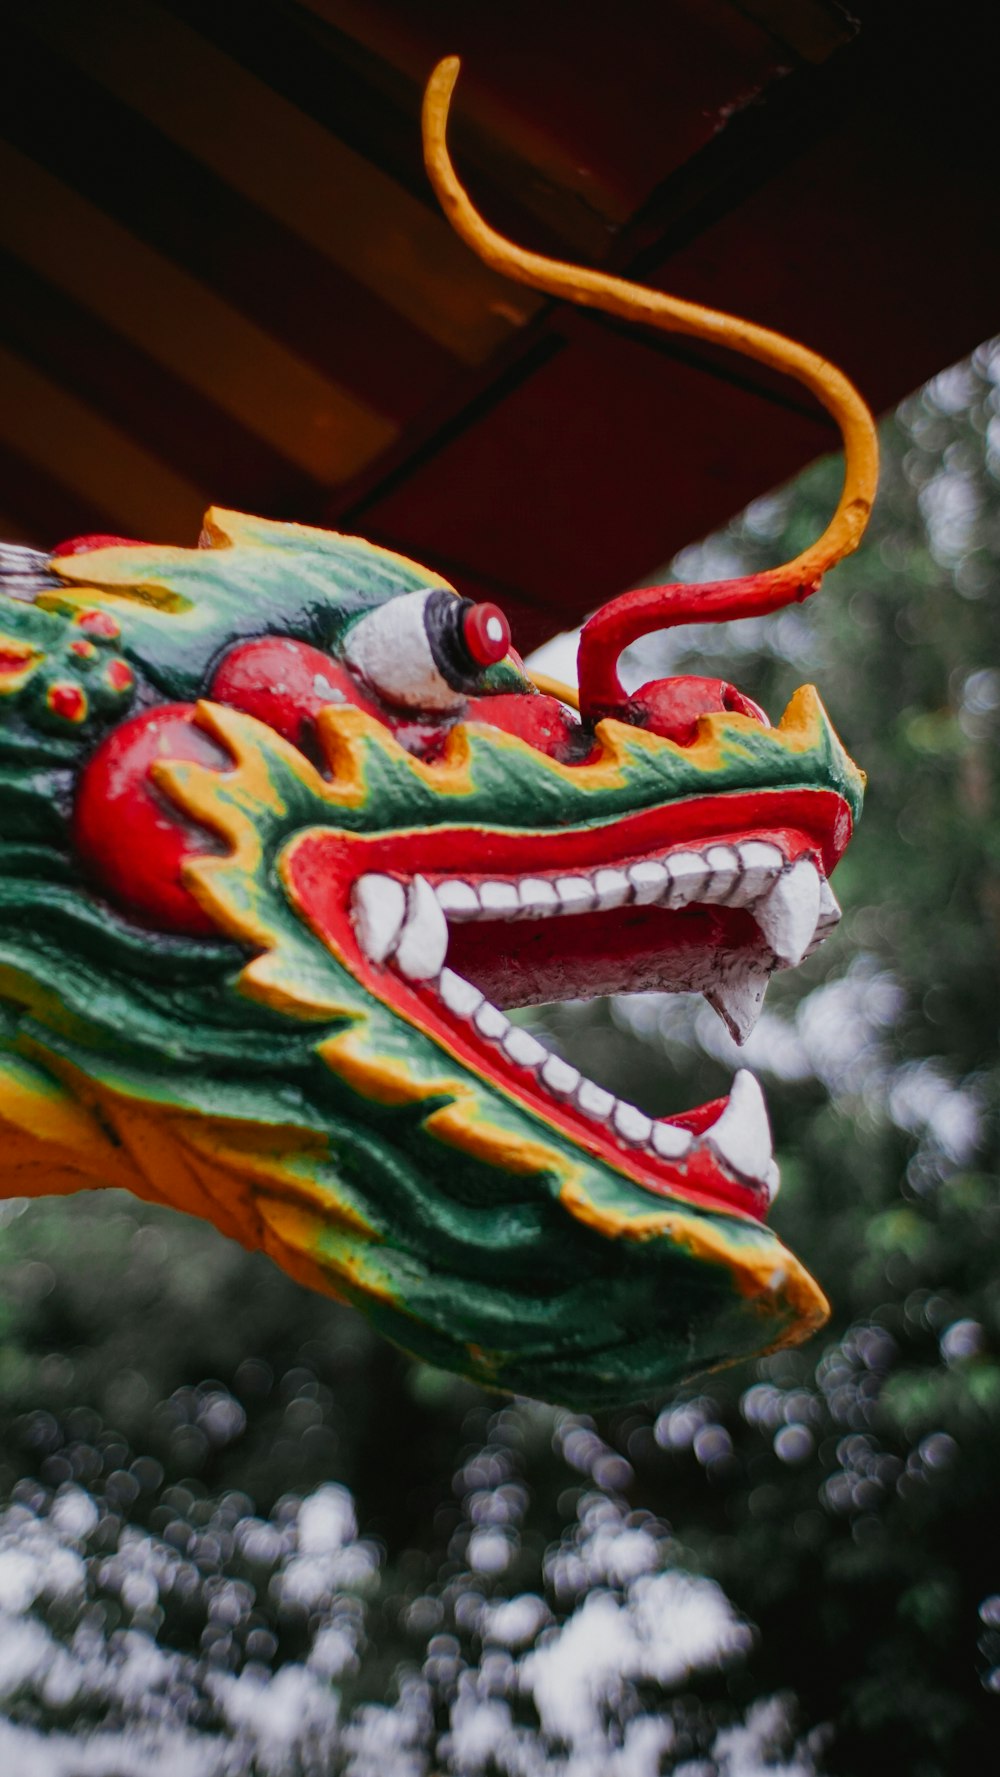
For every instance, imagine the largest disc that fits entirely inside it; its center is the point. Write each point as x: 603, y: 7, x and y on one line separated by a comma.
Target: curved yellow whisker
x: 633, y: 302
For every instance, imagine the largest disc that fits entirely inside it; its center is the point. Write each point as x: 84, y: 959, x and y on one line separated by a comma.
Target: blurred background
x: 238, y: 1534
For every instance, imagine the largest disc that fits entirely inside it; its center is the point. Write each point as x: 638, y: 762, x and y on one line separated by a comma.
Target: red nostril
x: 672, y: 707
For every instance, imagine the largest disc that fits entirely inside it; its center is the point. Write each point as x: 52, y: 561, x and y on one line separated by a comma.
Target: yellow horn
x: 616, y: 296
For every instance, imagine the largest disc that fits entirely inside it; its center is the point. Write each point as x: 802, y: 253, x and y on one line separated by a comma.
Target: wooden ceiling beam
x: 329, y: 210
x: 107, y: 471
x: 73, y: 347
x: 184, y: 325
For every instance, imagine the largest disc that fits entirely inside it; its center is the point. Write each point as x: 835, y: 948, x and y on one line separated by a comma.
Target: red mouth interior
x: 629, y: 950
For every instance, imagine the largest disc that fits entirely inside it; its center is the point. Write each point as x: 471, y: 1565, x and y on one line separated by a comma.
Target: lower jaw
x: 694, y: 1178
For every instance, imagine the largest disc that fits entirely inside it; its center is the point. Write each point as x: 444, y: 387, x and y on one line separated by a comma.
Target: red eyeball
x: 486, y: 634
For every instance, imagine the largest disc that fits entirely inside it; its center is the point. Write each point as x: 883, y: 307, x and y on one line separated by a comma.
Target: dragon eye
x: 427, y: 650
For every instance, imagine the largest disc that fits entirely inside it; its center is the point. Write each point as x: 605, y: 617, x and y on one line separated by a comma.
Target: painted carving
x: 287, y: 829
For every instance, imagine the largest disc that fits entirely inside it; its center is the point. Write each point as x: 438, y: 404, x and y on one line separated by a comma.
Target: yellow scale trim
x: 764, y: 1274
x: 274, y: 1161
x: 226, y: 806
x: 51, y: 1141
x: 14, y: 678
x: 461, y: 1123
x: 346, y: 733
x: 196, y: 1158
x: 112, y: 571
x: 289, y: 1235
x: 58, y: 1131
x: 54, y: 1143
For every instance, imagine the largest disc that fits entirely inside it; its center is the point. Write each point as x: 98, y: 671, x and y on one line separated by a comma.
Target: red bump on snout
x: 285, y: 683
x: 672, y: 707
x: 132, y: 839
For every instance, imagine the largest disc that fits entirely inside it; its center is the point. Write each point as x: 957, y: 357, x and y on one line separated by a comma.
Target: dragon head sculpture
x: 287, y: 827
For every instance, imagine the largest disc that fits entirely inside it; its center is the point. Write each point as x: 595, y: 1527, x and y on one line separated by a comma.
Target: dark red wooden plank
x: 602, y: 103
x: 106, y: 151
x: 170, y: 418
x: 591, y: 473
x: 880, y: 245
x: 46, y: 508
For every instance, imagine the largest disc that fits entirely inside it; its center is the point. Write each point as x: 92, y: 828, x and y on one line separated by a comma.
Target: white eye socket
x: 426, y: 650
x: 391, y: 649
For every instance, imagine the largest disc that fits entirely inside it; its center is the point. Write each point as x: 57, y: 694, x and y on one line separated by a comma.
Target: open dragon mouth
x: 716, y: 915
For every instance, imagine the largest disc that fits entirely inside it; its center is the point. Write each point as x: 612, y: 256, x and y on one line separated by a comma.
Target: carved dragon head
x: 287, y: 827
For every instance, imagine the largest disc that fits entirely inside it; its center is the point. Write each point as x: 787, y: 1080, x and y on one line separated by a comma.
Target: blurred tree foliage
x: 168, y: 1403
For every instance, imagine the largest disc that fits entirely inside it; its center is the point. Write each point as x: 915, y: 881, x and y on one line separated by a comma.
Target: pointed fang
x: 788, y: 914
x: 379, y: 907
x: 423, y: 944
x: 829, y: 916
x: 739, y: 998
x: 742, y: 1135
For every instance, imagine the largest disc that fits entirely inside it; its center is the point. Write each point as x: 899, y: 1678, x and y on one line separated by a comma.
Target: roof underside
x: 223, y: 277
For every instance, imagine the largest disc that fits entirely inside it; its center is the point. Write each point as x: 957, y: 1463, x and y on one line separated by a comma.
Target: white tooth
x: 649, y: 881
x: 760, y: 861
x: 594, y: 1100
x: 611, y: 888
x: 379, y: 908
x: 457, y: 899
x: 498, y: 897
x: 829, y: 906
x: 559, y: 1077
x: 423, y: 944
x: 575, y: 893
x: 772, y: 1181
x: 458, y: 994
x: 739, y: 996
x: 787, y: 914
x: 537, y: 895
x: 724, y: 864
x: 490, y: 1022
x: 523, y: 1048
x: 688, y: 876
x: 631, y: 1124
x: 742, y: 1135
x: 670, y: 1142
x: 829, y: 916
